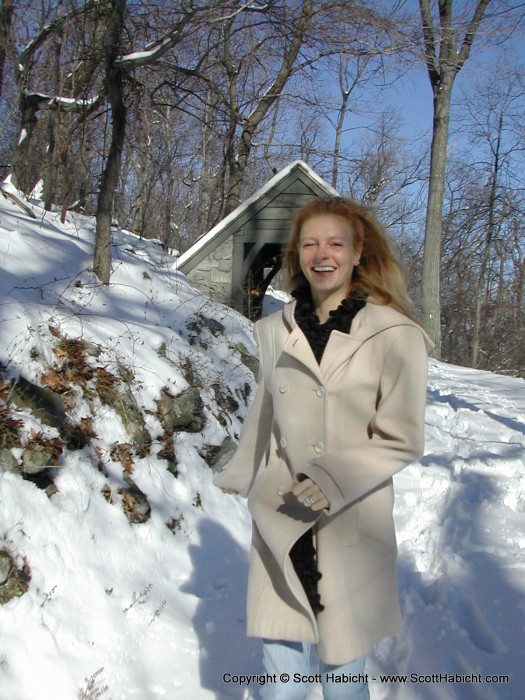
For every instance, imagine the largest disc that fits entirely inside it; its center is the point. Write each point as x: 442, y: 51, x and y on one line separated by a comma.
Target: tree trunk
x: 431, y: 283
x: 518, y: 287
x: 444, y: 61
x: 238, y: 159
x: 53, y: 128
x: 6, y: 15
x: 20, y: 162
x: 205, y: 191
x: 30, y: 103
x: 338, y: 135
x: 489, y: 235
x: 345, y: 95
x: 110, y: 177
x: 141, y: 165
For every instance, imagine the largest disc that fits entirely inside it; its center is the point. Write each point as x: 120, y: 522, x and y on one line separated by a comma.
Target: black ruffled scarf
x: 303, y: 554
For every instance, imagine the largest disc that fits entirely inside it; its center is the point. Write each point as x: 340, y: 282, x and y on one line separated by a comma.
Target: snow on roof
x: 212, y: 233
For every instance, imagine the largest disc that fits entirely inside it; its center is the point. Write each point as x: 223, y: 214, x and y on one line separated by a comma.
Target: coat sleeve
x: 240, y: 472
x: 396, y: 431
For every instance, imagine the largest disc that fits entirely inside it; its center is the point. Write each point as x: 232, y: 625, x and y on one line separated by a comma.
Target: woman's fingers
x: 309, y: 494
x: 321, y: 504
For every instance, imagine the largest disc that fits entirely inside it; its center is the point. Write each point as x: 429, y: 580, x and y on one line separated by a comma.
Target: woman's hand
x: 309, y: 494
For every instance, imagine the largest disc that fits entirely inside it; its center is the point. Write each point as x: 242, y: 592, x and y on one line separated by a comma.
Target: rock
x: 215, y: 327
x: 225, y: 400
x: 248, y: 359
x: 44, y: 481
x: 222, y: 456
x: 135, y: 503
x: 133, y: 420
x: 181, y: 412
x: 35, y: 461
x: 8, y: 462
x: 45, y: 404
x: 121, y: 400
x: 6, y: 565
x: 15, y: 581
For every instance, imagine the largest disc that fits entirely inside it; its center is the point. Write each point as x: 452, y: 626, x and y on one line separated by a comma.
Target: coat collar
x: 369, y: 321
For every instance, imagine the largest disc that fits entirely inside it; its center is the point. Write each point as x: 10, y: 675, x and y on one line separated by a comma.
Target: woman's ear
x: 358, y: 251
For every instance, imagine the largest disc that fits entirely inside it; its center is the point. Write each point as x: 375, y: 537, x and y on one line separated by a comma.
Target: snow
x: 121, y: 611
x: 274, y: 300
x: 68, y: 104
x: 140, y: 57
x: 22, y: 137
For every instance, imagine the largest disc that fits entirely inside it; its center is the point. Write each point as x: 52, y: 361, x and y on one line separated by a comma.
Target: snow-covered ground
x: 120, y: 611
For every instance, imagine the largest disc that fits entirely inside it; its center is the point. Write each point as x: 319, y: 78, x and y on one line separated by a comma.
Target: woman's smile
x: 327, y: 268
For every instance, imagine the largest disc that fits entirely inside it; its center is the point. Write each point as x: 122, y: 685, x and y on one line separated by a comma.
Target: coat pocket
x: 265, y: 486
x: 343, y: 528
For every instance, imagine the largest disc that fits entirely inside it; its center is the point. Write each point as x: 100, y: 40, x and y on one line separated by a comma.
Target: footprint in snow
x: 470, y: 618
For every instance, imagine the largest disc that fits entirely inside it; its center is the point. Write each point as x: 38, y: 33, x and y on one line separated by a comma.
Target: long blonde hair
x: 378, y: 275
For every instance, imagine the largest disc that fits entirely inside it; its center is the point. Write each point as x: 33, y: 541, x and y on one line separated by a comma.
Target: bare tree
x: 360, y: 69
x: 6, y: 15
x: 31, y: 102
x: 493, y: 119
x: 482, y: 234
x: 239, y: 153
x: 447, y: 46
x: 382, y: 167
x: 517, y: 246
x: 117, y: 64
x: 114, y: 88
x: 113, y: 47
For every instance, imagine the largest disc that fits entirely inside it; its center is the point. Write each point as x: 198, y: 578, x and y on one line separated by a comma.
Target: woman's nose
x: 321, y: 253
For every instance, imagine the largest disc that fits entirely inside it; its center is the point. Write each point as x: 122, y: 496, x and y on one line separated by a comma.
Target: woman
x: 339, y: 410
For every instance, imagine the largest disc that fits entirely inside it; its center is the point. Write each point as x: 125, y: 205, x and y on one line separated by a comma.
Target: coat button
x: 319, y: 447
x: 283, y: 388
x: 282, y: 442
x: 320, y: 391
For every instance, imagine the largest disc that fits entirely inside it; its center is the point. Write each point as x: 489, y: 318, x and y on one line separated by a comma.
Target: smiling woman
x: 328, y: 253
x: 379, y: 275
x: 340, y: 409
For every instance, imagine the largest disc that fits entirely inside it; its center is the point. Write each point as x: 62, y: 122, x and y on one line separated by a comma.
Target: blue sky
x: 413, y: 94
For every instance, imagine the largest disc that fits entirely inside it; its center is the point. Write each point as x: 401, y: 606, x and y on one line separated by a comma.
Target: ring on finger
x: 309, y: 501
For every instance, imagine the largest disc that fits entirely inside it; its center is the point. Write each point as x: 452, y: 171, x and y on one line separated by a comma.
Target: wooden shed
x: 235, y: 262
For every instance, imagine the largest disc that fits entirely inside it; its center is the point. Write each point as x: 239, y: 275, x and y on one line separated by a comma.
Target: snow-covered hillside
x: 121, y: 609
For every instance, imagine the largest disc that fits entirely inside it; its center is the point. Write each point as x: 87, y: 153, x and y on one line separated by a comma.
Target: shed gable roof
x: 267, y: 209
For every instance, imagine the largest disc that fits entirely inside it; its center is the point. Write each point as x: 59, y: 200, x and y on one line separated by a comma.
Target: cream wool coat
x: 349, y: 424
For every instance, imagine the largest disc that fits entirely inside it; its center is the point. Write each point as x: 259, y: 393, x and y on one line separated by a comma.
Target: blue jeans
x: 346, y: 682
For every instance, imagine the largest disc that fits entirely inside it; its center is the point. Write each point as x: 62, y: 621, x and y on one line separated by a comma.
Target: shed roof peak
x: 184, y: 261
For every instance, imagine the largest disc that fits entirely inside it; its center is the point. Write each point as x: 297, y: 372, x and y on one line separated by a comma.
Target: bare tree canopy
x: 164, y: 116
x: 448, y: 34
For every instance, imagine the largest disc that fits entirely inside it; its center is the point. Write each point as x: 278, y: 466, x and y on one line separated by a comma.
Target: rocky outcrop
x: 14, y: 580
x: 181, y: 412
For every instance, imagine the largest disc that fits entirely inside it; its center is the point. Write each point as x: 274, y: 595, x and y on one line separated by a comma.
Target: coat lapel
x: 299, y: 348
x: 339, y: 349
x: 371, y: 319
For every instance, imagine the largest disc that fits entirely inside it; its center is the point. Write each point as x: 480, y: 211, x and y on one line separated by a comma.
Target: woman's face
x: 327, y: 256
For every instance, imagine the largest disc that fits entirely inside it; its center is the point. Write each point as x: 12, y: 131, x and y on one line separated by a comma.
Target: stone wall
x: 213, y: 275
